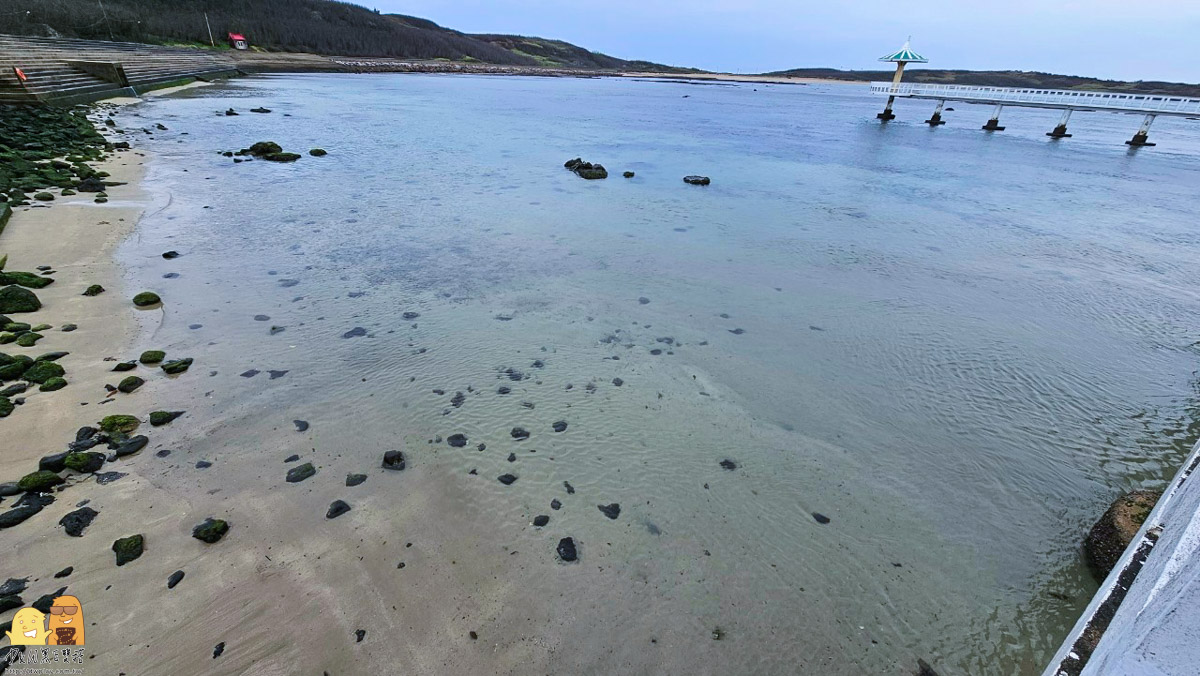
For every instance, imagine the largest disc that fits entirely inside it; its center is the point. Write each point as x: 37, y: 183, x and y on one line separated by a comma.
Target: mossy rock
x: 17, y: 327
x: 16, y: 368
x: 53, y: 384
x: 42, y: 371
x: 629, y: 174
x: 129, y: 384
x: 318, y: 152
x: 262, y: 148
x: 123, y: 366
x: 299, y: 473
x: 6, y: 407
x: 119, y: 424
x: 14, y: 299
x: 146, y: 299
x: 27, y: 279
x: 85, y: 463
x: 101, y: 200
x: 39, y: 482
x: 177, y: 366
x: 41, y: 327
x: 28, y: 339
x: 93, y: 290
x: 211, y: 530
x: 281, y: 157
x: 1113, y: 533
x: 6, y: 338
x: 67, y: 192
x: 51, y: 356
x: 128, y: 549
x: 160, y: 418
x: 152, y: 357
x: 44, y: 197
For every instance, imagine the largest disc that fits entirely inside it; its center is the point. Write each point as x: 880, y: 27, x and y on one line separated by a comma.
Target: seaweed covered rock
x: 261, y: 148
x: 39, y: 481
x: 586, y: 169
x: 28, y: 339
x: 84, y: 463
x: 177, y: 366
x: 27, y: 279
x: 697, y: 180
x: 6, y: 407
x: 152, y: 357
x: 1111, y: 535
x: 129, y: 384
x: 119, y: 424
x: 15, y: 299
x: 160, y: 418
x: 128, y: 549
x: 211, y: 530
x: 15, y: 366
x: 146, y: 299
x: 93, y: 290
x: 53, y: 384
x: 318, y: 152
x: 281, y: 157
x: 301, y: 472
x: 42, y: 371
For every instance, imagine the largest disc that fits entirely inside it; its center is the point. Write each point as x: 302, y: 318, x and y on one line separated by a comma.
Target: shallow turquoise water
x: 959, y: 346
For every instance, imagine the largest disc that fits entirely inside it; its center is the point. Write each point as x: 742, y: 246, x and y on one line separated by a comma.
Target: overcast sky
x: 1124, y: 39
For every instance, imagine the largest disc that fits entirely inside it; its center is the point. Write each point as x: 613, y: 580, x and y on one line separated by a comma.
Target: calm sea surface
x: 956, y: 346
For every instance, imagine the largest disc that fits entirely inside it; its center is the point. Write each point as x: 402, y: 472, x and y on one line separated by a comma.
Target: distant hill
x: 998, y: 78
x: 316, y: 26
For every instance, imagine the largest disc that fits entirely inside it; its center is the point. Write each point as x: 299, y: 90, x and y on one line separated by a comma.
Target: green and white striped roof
x: 906, y: 54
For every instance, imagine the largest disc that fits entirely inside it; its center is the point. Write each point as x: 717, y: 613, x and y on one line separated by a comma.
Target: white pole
x: 209, y: 26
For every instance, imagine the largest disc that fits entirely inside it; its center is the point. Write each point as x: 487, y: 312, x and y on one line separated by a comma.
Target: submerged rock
x: 318, y: 152
x: 457, y: 440
x: 541, y: 520
x: 820, y: 518
x: 301, y: 425
x: 586, y: 169
x: 301, y: 472
x: 728, y: 464
x: 555, y: 504
x: 611, y: 511
x: 519, y: 433
x: 566, y: 550
x: 560, y: 426
x: 1111, y: 535
x: 507, y: 479
x: 393, y: 460
x: 697, y: 180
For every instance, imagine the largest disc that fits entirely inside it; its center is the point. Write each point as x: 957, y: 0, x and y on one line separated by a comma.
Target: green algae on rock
x: 85, y: 463
x: 152, y: 357
x: 211, y: 530
x: 146, y: 299
x: 53, y: 384
x: 39, y: 481
x: 16, y: 299
x: 42, y: 371
x: 119, y: 424
x: 129, y: 548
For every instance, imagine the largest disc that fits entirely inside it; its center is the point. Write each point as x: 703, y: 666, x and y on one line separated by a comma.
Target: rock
x: 115, y: 424
x: 67, y: 328
x: 260, y: 110
x: 541, y: 520
x: 281, y: 157
x: 220, y: 647
x: 40, y: 481
x: 55, y: 462
x: 93, y: 290
x: 393, y: 460
x: 820, y: 518
x: 291, y: 458
x: 566, y: 550
x: 77, y: 521
x: 171, y: 255
x: 9, y: 602
x: 203, y: 464
x: 618, y: 382
x: 570, y: 489
x: 336, y: 509
x: 586, y: 169
x: 28, y: 280
x: 53, y: 384
x: 737, y: 332
x: 629, y: 174
x: 1111, y: 535
x: 506, y: 479
x: 128, y: 548
x: 301, y: 425
x: 457, y: 440
x: 458, y: 400
x: 519, y: 433
x: 160, y: 418
x: 123, y: 366
x: 560, y: 426
x: 359, y: 635
x: 152, y: 357
x: 177, y: 366
x: 105, y: 478
x: 355, y: 479
x: 84, y: 463
x: 64, y: 572
x: 301, y: 472
x: 52, y: 356
x: 146, y: 299
x: 17, y: 515
x: 211, y: 530
x: 129, y: 384
x: 643, y: 301
x: 13, y: 390
x: 728, y: 464
x: 356, y: 332
x: 923, y: 669
x: 130, y: 446
x: 9, y: 488
x: 318, y: 152
x: 229, y: 113
x: 697, y: 180
x: 44, y: 197
x: 512, y: 457
x: 15, y: 299
x: 6, y: 407
x: 28, y: 339
x: 611, y: 511
x: 174, y: 579
x: 555, y: 504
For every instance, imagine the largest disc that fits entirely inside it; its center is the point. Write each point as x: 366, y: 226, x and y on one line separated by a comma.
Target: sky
x: 1118, y: 39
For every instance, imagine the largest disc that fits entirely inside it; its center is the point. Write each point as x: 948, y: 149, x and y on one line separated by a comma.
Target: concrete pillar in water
x: 887, y: 110
x: 936, y: 119
x: 1061, y: 130
x: 1139, y: 139
x: 993, y: 124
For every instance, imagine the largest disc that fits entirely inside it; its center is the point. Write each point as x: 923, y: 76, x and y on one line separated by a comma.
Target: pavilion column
x: 993, y: 124
x: 1140, y: 138
x: 1061, y: 130
x: 936, y: 119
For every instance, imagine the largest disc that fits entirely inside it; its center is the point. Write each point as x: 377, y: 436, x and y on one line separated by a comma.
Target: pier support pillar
x: 887, y: 111
x: 1139, y: 139
x: 993, y: 124
x: 1061, y: 130
x: 936, y: 119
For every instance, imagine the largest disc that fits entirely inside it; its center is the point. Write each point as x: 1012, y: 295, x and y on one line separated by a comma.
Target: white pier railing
x: 1045, y: 98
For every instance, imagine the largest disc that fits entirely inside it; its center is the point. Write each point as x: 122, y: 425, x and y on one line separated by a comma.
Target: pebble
x: 618, y: 382
x: 560, y: 426
x: 611, y: 511
x: 356, y: 332
x: 506, y: 479
x: 301, y: 425
x: 218, y: 650
x: 541, y: 520
x: 174, y: 579
x: 820, y: 518
x: 519, y: 433
x: 569, y: 487
x: 359, y: 635
x: 65, y: 572
x: 555, y: 504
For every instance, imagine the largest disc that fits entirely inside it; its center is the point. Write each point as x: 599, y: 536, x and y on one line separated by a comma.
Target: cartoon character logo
x: 28, y: 628
x: 66, y: 622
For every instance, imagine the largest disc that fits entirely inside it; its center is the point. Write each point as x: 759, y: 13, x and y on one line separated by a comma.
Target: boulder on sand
x: 1112, y: 534
x: 15, y: 299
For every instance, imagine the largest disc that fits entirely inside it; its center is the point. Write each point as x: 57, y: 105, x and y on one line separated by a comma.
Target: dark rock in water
x: 9, y: 602
x: 260, y: 110
x: 393, y: 460
x: 506, y: 479
x: 566, y: 550
x: 129, y: 384
x: 128, y: 549
x: 228, y: 113
x: 250, y: 373
x: 820, y: 518
x: 131, y: 445
x: 697, y: 180
x: 291, y: 458
x: 301, y: 472
x: 318, y: 152
x: 276, y: 374
x: 560, y: 426
x: 923, y: 669
x: 177, y: 366
x: 170, y: 255
x: 262, y: 318
x: 611, y: 511
x: 356, y: 332
x: 160, y: 418
x: 67, y: 328
x: 411, y: 315
x: 653, y: 529
x: 175, y: 579
x: 519, y: 433
x: 555, y: 504
x: 628, y: 174
x: 14, y: 389
x: 203, y: 464
x: 514, y: 375
x: 64, y: 572
x: 220, y: 647
x: 512, y: 457
x: 503, y: 390
x: 211, y: 530
x: 644, y: 300
x: 84, y: 463
x: 586, y: 169
x: 457, y: 440
x: 281, y: 157
x: 163, y: 453
x: 737, y: 332
x: 458, y: 400
x: 541, y: 520
x: 570, y: 489
x: 336, y: 509
x: 124, y: 366
x: 618, y: 382
x: 301, y: 425
x: 359, y: 635
x: 1115, y: 530
x: 728, y: 464
x: 355, y: 479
